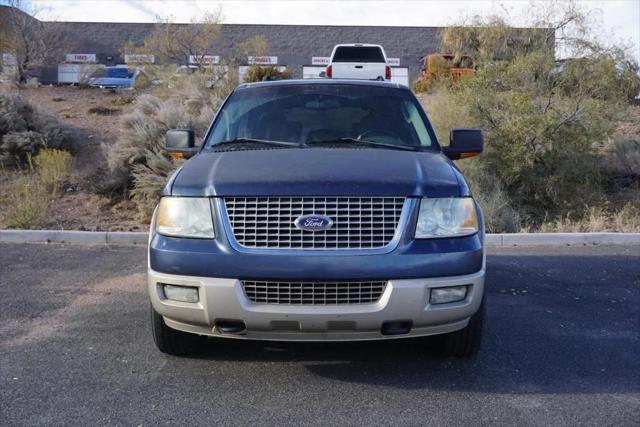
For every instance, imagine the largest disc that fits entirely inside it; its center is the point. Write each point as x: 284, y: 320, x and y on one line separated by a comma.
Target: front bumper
x: 405, y: 300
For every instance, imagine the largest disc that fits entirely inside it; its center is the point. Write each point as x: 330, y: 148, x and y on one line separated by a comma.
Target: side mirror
x: 323, y: 74
x: 464, y: 143
x: 180, y: 143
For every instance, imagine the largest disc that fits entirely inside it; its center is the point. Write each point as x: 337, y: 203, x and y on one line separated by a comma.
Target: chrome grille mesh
x: 313, y: 293
x: 359, y: 222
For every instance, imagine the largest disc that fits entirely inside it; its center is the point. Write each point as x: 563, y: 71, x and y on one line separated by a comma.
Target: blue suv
x: 320, y: 210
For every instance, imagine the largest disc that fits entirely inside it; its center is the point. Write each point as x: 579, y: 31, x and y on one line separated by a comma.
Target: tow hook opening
x: 396, y: 327
x: 230, y: 326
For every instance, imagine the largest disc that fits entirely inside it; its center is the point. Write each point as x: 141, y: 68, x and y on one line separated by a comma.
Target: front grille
x: 313, y: 293
x: 358, y: 222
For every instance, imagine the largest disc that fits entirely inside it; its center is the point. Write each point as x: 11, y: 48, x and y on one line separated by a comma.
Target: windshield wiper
x: 365, y: 142
x: 255, y: 141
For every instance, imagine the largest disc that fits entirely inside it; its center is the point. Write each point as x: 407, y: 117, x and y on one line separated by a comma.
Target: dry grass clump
x: 624, y: 220
x: 103, y: 111
x: 52, y: 168
x: 27, y: 203
x: 29, y: 197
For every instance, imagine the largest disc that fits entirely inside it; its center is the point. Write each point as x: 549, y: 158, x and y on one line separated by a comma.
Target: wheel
x: 466, y: 341
x: 174, y: 342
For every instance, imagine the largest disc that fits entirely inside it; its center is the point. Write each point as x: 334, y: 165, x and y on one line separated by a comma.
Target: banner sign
x: 81, y: 57
x: 262, y: 60
x: 394, y: 62
x: 204, y: 59
x: 320, y: 60
x: 139, y: 59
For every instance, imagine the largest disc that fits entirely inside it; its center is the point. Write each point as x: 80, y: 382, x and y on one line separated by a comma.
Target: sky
x: 617, y: 20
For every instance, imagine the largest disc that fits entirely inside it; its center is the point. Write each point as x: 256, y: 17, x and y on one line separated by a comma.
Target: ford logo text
x: 313, y: 222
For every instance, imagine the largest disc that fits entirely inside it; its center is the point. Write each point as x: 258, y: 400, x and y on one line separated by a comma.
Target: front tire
x: 174, y: 342
x: 465, y: 342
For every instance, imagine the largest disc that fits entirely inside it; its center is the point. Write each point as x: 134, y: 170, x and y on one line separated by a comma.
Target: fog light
x: 449, y: 294
x: 180, y: 293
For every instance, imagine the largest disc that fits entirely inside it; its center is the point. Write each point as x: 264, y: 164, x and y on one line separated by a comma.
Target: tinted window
x: 358, y: 54
x: 118, y: 72
x: 323, y: 112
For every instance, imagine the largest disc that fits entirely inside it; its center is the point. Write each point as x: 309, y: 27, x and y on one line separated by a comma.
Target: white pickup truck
x: 358, y: 61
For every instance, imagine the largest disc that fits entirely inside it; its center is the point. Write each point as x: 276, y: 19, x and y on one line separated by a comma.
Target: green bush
x: 25, y: 130
x: 543, y: 130
x: 551, y: 152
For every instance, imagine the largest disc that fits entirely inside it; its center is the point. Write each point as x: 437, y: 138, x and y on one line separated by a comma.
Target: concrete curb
x: 74, y: 237
x: 141, y: 237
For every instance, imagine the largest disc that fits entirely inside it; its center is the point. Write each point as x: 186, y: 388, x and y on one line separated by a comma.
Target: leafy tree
x: 31, y: 42
x: 171, y: 41
x: 544, y: 120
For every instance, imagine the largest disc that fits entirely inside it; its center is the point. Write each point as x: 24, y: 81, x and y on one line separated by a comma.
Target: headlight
x: 185, y: 217
x: 446, y: 217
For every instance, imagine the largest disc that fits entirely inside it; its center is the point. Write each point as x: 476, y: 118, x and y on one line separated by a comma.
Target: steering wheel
x: 380, y: 132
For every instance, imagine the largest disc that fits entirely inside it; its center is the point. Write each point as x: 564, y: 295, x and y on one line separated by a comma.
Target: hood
x: 316, y: 172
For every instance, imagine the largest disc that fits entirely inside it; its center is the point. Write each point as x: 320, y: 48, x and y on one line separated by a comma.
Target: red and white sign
x: 139, y: 59
x: 262, y: 60
x: 394, y: 62
x: 80, y: 58
x: 320, y: 60
x: 204, y: 59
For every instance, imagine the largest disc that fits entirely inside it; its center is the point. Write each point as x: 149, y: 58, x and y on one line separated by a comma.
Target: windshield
x: 315, y: 113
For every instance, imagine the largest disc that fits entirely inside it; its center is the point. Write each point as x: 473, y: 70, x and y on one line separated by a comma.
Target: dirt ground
x: 93, y: 114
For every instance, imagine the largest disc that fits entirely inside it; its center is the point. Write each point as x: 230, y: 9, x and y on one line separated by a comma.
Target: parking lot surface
x: 561, y: 347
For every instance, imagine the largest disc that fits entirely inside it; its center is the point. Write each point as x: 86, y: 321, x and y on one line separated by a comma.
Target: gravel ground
x: 561, y: 347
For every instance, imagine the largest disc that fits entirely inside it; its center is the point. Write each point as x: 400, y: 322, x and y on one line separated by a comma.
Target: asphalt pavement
x: 561, y: 347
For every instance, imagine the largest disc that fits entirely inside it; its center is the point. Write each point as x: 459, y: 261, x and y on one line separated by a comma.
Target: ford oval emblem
x: 313, y: 222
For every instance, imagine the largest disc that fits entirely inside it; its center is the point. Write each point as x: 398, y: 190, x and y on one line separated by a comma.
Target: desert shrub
x: 122, y: 100
x: 138, y: 161
x: 149, y: 178
x: 24, y: 130
x: 143, y: 81
x: 622, y: 151
x: 257, y: 73
x: 421, y: 86
x: 437, y: 76
x: 20, y: 146
x: 500, y: 214
x: 626, y: 156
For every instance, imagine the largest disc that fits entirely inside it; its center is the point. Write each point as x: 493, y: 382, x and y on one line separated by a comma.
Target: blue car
x: 318, y: 210
x: 115, y: 78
